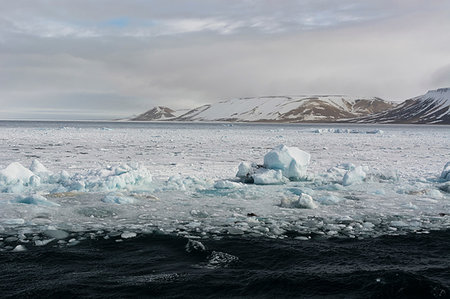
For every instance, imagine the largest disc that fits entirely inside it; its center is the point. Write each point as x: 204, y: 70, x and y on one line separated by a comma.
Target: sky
x: 108, y: 59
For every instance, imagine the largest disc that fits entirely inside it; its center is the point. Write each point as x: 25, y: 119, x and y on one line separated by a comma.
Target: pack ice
x: 122, y: 182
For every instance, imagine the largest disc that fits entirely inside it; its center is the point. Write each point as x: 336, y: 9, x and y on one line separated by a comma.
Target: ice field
x: 63, y: 182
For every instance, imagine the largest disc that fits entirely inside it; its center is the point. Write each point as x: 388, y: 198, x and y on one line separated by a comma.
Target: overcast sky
x: 67, y: 59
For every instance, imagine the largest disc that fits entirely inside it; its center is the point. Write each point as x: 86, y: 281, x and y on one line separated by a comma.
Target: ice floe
x: 182, y: 182
x: 281, y: 164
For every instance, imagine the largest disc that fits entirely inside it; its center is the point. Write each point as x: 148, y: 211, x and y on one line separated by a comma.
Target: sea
x: 403, y: 253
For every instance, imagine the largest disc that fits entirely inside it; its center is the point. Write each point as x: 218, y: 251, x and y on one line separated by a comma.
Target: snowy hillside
x: 288, y: 109
x: 432, y: 107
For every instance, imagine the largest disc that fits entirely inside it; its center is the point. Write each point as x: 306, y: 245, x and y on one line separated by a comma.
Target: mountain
x: 157, y: 113
x: 430, y: 108
x: 320, y: 108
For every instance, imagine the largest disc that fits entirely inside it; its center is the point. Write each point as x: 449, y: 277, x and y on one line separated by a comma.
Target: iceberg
x: 281, y: 164
x: 292, y: 161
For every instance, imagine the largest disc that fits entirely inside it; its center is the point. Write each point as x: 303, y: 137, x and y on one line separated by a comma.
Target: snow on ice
x: 281, y: 164
x: 87, y: 182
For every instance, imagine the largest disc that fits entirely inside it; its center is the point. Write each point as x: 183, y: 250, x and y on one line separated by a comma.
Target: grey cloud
x: 184, y: 55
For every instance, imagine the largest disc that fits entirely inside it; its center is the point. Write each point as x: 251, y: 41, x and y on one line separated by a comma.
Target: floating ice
x: 225, y: 184
x: 16, y: 172
x: 268, y: 177
x: 128, y: 235
x: 15, y: 178
x: 198, y: 202
x: 304, y: 201
x: 39, y: 169
x: 356, y: 175
x: 119, y: 177
x: 281, y: 164
x: 19, y: 248
x: 292, y: 161
x: 56, y: 234
x: 246, y: 170
x: 35, y: 199
x: 445, y: 175
x: 307, y: 202
x: 118, y: 199
x: 194, y: 246
x: 347, y: 131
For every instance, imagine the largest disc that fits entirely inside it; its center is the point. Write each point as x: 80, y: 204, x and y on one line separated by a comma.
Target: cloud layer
x: 107, y: 59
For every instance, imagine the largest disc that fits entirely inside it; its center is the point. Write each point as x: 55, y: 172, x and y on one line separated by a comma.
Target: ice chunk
x: 354, y: 176
x: 19, y: 248
x: 56, y: 234
x: 445, y: 175
x: 224, y: 184
x: 118, y: 199
x: 292, y: 161
x: 39, y: 169
x: 245, y: 169
x: 268, y: 177
x: 329, y: 199
x: 43, y: 242
x: 13, y: 221
x: 16, y: 172
x: 194, y: 246
x: 304, y: 201
x: 127, y: 235
x: 35, y: 199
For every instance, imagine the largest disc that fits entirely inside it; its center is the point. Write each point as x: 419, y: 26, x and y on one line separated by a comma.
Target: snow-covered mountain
x: 157, y: 113
x: 430, y: 108
x: 320, y: 108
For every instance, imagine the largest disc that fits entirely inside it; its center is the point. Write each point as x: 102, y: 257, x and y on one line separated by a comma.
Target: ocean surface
x: 410, y: 266
x: 165, y: 228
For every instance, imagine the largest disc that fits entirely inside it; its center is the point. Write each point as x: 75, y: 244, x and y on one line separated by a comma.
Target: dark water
x: 411, y: 266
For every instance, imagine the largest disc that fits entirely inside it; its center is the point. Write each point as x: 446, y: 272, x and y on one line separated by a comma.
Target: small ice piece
x: 268, y: 177
x: 306, y: 202
x: 42, y: 242
x: 19, y: 248
x: 292, y: 161
x: 445, y: 175
x: 56, y: 234
x: 329, y: 199
x: 194, y: 246
x: 378, y: 131
x: 225, y: 184
x: 35, y: 199
x: 118, y: 199
x: 127, y: 235
x: 398, y: 223
x: 219, y: 259
x: 245, y: 169
x: 354, y: 176
x: 436, y: 194
x: 13, y: 221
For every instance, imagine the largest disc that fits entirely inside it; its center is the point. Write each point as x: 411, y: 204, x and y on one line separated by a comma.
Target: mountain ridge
x: 432, y: 107
x: 304, y: 108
